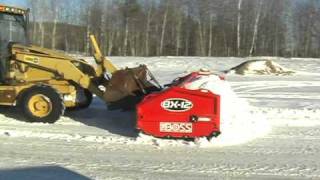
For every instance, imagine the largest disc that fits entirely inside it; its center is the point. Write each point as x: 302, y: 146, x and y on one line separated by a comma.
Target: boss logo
x: 176, y: 105
x: 171, y: 127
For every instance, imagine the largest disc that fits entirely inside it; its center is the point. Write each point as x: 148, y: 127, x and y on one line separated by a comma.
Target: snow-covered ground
x: 99, y: 144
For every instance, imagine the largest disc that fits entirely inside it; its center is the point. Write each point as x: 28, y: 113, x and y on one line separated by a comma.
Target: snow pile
x: 260, y: 67
x: 239, y: 123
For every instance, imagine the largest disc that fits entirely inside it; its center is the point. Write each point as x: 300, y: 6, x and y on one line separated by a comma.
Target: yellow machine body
x: 35, y: 77
x: 33, y: 65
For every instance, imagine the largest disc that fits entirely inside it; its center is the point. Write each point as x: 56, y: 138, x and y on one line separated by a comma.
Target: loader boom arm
x: 103, y: 64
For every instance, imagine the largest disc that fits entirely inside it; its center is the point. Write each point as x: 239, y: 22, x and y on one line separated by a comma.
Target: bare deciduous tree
x: 179, y: 27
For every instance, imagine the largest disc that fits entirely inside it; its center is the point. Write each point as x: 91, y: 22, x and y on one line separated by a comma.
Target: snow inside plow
x: 239, y: 123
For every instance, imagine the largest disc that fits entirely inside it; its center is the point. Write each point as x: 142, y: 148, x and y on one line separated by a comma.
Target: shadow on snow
x: 41, y: 173
x: 97, y: 115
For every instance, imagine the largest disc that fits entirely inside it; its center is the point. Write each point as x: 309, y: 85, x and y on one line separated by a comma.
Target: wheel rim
x: 40, y: 105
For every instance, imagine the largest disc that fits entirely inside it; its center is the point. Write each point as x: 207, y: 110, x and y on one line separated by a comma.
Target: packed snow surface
x: 99, y: 144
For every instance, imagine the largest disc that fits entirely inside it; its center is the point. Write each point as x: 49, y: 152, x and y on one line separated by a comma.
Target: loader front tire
x: 88, y: 99
x: 41, y: 104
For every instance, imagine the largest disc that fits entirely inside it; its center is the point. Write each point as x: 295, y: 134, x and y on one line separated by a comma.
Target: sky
x: 19, y: 3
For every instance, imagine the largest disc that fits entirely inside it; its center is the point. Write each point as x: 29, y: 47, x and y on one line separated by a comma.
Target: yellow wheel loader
x: 44, y: 82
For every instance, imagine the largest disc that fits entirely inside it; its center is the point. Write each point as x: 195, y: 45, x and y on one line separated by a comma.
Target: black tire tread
x: 89, y: 98
x: 56, y: 98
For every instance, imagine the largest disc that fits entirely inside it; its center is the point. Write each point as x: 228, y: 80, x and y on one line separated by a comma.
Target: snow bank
x: 260, y: 67
x: 239, y: 122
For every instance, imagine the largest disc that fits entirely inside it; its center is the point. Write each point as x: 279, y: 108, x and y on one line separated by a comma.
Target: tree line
x: 289, y: 28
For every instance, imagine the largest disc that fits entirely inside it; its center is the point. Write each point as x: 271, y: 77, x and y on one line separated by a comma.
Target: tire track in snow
x: 283, y: 93
x: 245, y: 87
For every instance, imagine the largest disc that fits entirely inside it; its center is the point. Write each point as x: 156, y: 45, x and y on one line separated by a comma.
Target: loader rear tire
x: 42, y: 104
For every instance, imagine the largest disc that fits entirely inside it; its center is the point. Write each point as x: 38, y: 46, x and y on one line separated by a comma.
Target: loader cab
x: 13, y: 29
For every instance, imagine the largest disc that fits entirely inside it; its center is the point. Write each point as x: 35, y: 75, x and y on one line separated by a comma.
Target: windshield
x: 12, y: 29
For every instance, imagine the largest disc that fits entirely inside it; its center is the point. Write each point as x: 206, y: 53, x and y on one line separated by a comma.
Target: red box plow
x: 178, y: 112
